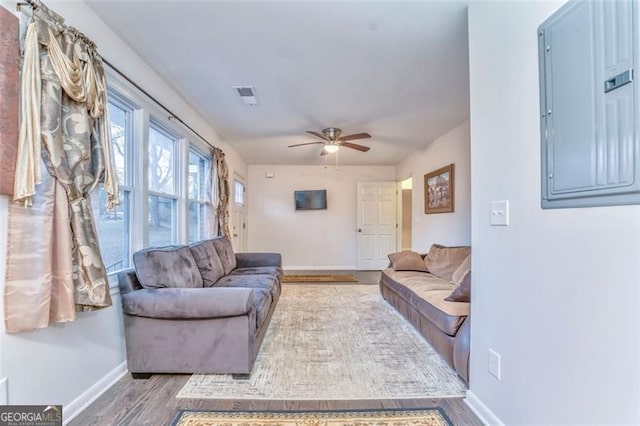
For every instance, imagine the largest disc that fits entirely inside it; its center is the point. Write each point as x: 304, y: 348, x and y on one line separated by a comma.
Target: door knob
x: 359, y: 229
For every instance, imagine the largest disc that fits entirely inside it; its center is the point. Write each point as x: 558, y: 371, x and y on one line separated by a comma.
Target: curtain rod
x: 172, y: 116
x: 35, y: 3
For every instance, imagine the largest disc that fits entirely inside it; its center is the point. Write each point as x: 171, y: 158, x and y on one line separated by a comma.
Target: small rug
x: 319, y: 279
x: 335, y: 342
x: 421, y: 417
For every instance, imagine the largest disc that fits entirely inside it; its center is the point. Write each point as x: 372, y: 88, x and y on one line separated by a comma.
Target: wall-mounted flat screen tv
x: 311, y: 200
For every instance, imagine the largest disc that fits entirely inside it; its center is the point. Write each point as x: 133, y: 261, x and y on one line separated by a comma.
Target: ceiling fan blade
x: 354, y: 137
x: 320, y: 135
x: 308, y: 143
x: 355, y: 146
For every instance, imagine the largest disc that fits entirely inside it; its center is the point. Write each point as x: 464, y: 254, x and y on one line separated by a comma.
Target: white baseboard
x: 483, y: 412
x: 319, y: 268
x: 70, y: 411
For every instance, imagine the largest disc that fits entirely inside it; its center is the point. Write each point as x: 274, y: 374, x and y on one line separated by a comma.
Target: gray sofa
x: 197, y: 309
x: 425, y: 298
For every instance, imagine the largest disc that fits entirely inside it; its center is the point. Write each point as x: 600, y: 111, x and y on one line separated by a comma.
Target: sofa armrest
x: 128, y: 281
x: 253, y: 260
x: 461, y: 349
x: 188, y: 303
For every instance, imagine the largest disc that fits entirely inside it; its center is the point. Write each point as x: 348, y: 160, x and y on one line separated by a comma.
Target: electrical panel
x: 589, y: 113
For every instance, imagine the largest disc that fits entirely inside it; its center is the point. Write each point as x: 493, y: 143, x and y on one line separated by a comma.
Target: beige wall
x: 443, y: 228
x: 318, y: 239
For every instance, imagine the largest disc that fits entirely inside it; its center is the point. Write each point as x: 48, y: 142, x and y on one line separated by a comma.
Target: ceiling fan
x: 332, y: 140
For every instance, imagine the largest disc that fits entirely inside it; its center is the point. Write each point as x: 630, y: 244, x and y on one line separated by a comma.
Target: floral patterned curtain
x: 222, y: 210
x: 54, y: 266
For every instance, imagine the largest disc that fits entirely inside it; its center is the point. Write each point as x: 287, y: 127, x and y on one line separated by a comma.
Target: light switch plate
x: 495, y: 364
x: 500, y: 213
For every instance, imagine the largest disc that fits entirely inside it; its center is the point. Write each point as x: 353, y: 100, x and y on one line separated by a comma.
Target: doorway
x: 239, y: 221
x: 376, y: 225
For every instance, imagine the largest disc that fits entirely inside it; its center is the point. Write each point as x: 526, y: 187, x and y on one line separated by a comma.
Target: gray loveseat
x: 197, y: 309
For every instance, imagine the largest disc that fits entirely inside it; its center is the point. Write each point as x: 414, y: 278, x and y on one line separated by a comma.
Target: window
x: 200, y: 204
x: 238, y: 192
x: 162, y: 187
x: 167, y: 193
x: 114, y: 227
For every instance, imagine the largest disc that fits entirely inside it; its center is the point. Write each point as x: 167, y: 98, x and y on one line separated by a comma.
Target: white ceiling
x: 395, y: 69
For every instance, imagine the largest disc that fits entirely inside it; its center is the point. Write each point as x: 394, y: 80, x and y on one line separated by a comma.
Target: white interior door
x: 238, y: 220
x: 376, y: 224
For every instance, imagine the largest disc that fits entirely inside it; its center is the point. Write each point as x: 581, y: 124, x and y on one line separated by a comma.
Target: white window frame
x: 207, y: 203
x: 126, y: 188
x: 178, y: 141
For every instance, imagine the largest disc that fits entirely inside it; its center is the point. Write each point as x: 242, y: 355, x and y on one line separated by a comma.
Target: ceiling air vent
x: 247, y: 94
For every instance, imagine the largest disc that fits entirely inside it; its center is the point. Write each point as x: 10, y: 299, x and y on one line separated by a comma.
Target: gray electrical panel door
x: 589, y: 114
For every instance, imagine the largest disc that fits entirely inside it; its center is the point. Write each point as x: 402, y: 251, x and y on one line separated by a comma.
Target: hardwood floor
x: 153, y: 401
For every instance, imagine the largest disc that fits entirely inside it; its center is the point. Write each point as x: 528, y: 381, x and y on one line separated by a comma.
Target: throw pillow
x: 208, y: 261
x: 442, y: 261
x: 407, y: 261
x: 167, y: 267
x: 462, y: 293
x: 461, y: 272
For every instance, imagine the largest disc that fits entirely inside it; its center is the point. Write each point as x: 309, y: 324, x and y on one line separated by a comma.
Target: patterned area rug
x: 334, y: 342
x: 423, y: 417
x: 319, y: 279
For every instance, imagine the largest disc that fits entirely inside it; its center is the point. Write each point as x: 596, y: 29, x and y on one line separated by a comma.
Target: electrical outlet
x: 495, y: 361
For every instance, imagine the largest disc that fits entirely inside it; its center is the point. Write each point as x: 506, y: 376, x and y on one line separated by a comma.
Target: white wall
x: 72, y: 363
x: 315, y: 239
x: 556, y: 293
x: 444, y: 228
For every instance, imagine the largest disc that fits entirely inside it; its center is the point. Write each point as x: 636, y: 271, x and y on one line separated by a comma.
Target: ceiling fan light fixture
x: 331, y: 148
x: 332, y: 140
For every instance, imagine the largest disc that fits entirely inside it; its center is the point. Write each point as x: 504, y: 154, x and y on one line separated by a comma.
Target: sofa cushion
x: 419, y: 279
x: 447, y: 316
x: 427, y: 295
x: 167, y: 267
x: 461, y: 293
x: 407, y: 261
x: 208, y: 261
x: 264, y: 299
x: 274, y: 271
x: 462, y: 271
x: 443, y: 261
x: 226, y: 254
x: 251, y: 281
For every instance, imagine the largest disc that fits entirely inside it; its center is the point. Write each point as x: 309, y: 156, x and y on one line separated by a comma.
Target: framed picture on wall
x: 439, y: 190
